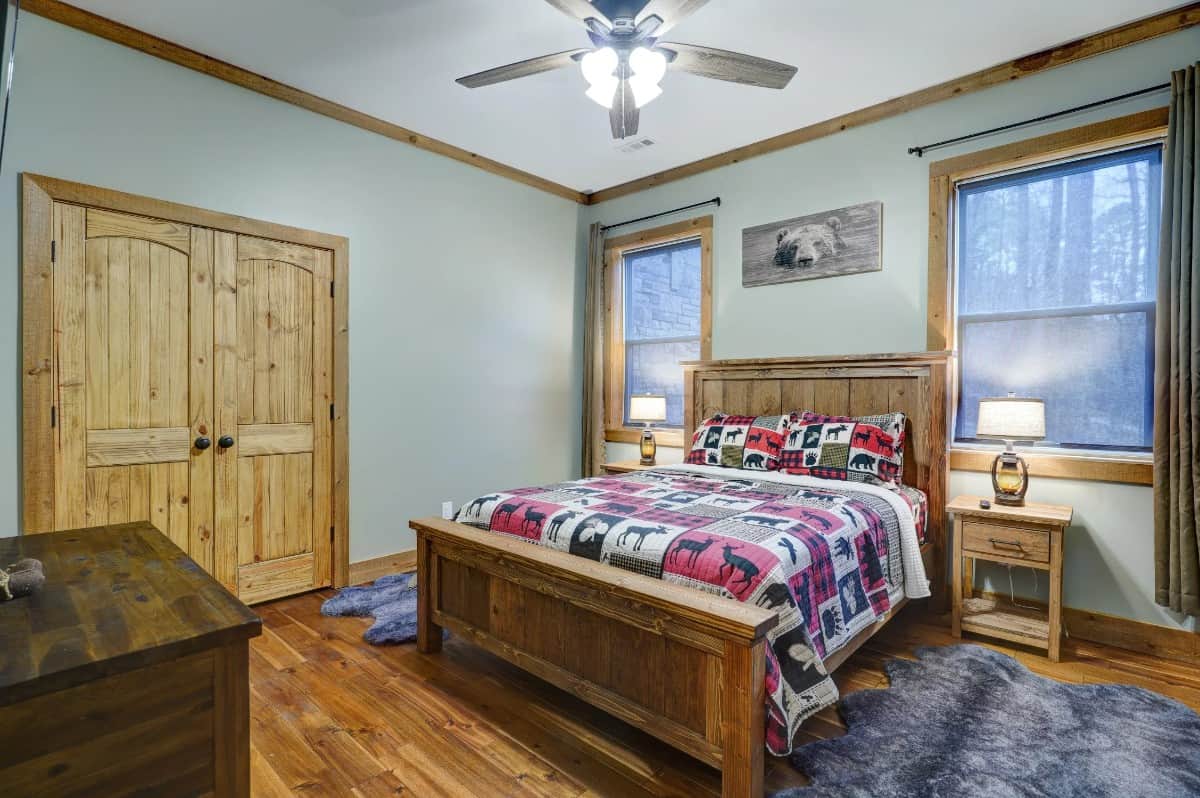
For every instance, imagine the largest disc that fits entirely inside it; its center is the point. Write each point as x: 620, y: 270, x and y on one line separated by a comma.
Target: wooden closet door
x: 273, y: 349
x: 133, y: 374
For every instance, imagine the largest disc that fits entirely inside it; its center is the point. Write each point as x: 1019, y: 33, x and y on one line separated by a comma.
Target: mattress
x: 830, y: 557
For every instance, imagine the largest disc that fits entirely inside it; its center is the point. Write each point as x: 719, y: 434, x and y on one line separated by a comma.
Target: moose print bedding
x: 830, y: 557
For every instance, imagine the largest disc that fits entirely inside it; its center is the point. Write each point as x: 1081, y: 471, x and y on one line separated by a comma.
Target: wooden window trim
x: 614, y: 360
x: 1144, y: 126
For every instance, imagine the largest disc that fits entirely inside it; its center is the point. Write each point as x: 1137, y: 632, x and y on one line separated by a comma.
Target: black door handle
x: 225, y: 441
x: 202, y: 443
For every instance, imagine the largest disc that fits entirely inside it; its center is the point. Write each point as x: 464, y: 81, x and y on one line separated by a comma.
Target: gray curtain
x: 593, y: 356
x: 1177, y: 362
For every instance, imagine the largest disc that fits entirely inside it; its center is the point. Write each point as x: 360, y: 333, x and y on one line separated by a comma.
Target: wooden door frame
x: 38, y: 193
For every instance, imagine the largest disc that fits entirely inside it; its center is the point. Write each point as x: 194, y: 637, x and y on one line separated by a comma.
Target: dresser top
x: 1051, y: 514
x: 116, y: 598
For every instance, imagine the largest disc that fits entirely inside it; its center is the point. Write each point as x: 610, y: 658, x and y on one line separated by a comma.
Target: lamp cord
x: 1012, y: 593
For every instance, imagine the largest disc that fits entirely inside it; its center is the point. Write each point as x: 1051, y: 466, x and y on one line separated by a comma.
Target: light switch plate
x: 448, y: 510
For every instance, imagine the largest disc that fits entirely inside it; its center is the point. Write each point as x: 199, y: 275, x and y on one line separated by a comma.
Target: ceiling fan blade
x: 671, y: 12
x: 624, y: 115
x: 709, y: 62
x: 581, y: 10
x: 521, y: 69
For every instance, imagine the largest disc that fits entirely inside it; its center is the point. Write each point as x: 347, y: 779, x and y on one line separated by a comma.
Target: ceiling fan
x: 628, y: 60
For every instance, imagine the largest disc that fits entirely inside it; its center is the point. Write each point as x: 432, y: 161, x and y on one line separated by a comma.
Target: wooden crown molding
x: 113, y: 31
x: 1026, y: 66
x: 1115, y: 38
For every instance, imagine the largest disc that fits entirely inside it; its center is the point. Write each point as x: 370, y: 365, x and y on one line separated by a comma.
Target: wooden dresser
x: 126, y: 674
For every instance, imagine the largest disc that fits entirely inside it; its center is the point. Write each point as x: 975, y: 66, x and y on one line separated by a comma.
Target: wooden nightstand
x: 626, y: 467
x: 1029, y: 536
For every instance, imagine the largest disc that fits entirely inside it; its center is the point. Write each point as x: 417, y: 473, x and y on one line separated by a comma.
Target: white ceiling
x: 397, y: 60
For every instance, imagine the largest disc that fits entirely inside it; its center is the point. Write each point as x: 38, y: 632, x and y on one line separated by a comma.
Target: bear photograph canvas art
x: 827, y: 244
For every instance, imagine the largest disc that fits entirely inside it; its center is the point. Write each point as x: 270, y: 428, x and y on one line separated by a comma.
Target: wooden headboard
x: 845, y: 385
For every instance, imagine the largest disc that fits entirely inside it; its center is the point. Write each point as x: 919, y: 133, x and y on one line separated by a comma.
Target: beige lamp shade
x: 648, y: 408
x: 1011, y: 418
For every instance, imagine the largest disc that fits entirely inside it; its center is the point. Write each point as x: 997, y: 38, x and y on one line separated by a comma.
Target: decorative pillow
x: 861, y: 449
x: 750, y: 442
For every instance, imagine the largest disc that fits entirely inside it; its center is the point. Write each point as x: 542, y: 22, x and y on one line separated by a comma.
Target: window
x: 1055, y: 287
x: 658, y: 316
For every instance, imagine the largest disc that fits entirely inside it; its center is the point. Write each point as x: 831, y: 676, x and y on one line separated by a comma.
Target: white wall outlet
x: 448, y: 511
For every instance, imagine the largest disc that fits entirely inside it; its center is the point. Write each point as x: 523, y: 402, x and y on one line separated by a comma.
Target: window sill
x: 1129, y: 469
x: 664, y: 437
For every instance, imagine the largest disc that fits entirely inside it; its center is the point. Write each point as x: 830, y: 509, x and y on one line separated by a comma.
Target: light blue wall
x: 1109, y: 549
x: 463, y: 347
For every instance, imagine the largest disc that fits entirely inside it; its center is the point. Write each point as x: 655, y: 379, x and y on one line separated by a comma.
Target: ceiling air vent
x: 635, y: 145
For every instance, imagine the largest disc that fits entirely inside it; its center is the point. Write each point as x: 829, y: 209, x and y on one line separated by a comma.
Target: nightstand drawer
x: 1018, y: 543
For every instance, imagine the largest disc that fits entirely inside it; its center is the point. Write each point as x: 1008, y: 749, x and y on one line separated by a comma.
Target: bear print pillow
x: 863, y: 449
x: 750, y: 442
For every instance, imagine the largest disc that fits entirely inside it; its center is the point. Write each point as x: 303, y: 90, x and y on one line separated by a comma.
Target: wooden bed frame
x: 682, y: 665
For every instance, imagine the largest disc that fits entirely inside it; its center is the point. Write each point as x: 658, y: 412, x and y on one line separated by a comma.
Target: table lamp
x: 648, y: 408
x: 1011, y: 418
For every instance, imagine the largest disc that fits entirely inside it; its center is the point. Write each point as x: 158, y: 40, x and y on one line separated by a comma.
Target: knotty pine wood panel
x: 274, y: 578
x: 202, y: 543
x: 39, y: 391
x: 274, y: 507
x: 260, y: 439
x: 322, y: 424
x: 225, y: 409
x: 119, y: 298
x: 136, y: 317
x: 282, y: 499
x: 113, y: 447
x: 102, y: 223
x: 70, y: 374
x: 275, y: 301
x: 254, y: 248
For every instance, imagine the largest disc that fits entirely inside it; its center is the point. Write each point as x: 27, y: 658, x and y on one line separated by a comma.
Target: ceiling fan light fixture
x: 643, y: 90
x: 599, y: 65
x: 604, y: 92
x: 648, y: 67
x: 630, y: 58
x: 648, y: 64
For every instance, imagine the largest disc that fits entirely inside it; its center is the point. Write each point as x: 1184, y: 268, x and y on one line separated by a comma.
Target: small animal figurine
x: 21, y: 579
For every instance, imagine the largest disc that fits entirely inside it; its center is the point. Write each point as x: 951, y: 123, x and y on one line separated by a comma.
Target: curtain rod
x: 714, y: 201
x: 924, y: 148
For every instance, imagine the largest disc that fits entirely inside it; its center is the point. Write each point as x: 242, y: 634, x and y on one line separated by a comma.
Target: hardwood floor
x: 331, y: 715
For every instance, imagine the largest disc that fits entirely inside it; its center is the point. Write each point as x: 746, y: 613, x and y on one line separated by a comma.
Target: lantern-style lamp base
x: 1010, y: 478
x: 649, y: 446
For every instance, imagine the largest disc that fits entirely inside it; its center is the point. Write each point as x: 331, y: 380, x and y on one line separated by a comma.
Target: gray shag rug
x: 391, y: 601
x: 968, y: 721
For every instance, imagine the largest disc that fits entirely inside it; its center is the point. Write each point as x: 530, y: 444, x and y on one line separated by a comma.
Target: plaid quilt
x: 826, y: 559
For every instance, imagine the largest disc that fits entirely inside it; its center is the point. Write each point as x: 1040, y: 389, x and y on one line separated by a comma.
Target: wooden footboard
x: 677, y: 663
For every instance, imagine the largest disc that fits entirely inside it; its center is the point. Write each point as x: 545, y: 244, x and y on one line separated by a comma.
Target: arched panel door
x: 132, y: 349
x: 273, y: 355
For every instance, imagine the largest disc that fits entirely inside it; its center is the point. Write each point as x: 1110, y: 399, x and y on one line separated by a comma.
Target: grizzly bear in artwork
x: 805, y: 245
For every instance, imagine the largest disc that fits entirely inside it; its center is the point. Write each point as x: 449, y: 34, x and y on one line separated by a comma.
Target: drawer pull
x: 1016, y: 544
